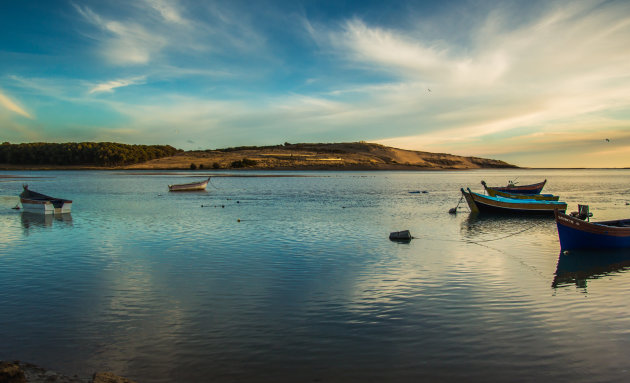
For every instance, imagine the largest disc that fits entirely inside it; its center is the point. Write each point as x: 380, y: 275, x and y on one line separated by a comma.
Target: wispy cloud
x: 167, y: 10
x: 11, y: 105
x: 548, y: 71
x: 109, y: 86
x: 124, y: 43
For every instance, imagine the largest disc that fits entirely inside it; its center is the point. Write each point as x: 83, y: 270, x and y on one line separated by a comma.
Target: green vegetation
x: 81, y: 153
x: 307, y: 147
x: 245, y: 162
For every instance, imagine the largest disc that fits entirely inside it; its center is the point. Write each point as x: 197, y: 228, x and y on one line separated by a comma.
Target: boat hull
x: 575, y: 233
x: 194, y: 186
x: 522, y: 189
x: 479, y: 203
x: 33, y: 202
x: 45, y: 207
x: 539, y: 197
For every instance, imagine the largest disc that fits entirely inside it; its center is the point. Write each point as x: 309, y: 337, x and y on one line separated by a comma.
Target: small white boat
x: 34, y: 202
x: 190, y: 187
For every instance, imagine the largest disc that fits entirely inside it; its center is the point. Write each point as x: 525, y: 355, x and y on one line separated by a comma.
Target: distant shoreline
x: 357, y: 156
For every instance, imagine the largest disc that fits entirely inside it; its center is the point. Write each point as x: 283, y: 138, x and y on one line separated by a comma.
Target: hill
x: 322, y: 156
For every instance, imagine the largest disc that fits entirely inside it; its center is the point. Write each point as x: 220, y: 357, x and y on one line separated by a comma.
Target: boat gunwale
x: 598, y: 228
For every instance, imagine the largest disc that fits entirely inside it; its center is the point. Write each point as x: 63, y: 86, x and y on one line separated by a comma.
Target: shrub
x: 245, y: 162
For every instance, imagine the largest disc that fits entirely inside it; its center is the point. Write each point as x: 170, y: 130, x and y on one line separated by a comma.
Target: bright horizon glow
x: 536, y: 84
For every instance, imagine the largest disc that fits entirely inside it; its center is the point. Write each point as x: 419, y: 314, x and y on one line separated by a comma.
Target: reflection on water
x: 293, y: 279
x: 578, y: 266
x: 492, y: 227
x: 34, y: 220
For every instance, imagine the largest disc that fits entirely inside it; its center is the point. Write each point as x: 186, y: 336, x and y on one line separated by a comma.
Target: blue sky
x: 536, y: 83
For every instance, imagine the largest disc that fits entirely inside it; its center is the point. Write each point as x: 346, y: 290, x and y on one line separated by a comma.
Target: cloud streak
x: 109, y: 86
x: 12, y: 106
x: 505, y: 80
x: 559, y: 68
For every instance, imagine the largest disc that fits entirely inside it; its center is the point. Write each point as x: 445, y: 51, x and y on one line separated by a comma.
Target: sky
x: 534, y: 83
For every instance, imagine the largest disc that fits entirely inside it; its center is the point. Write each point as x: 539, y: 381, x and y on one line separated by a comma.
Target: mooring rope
x: 507, y: 236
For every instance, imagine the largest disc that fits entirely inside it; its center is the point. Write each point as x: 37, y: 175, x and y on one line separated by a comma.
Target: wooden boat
x: 576, y: 233
x: 34, y: 202
x: 492, y: 192
x: 480, y: 203
x: 521, y: 189
x: 193, y: 186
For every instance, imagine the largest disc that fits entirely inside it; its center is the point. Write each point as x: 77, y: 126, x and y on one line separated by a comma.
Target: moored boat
x: 492, y: 192
x: 480, y: 203
x: 34, y: 202
x: 521, y: 189
x: 576, y: 233
x: 193, y: 186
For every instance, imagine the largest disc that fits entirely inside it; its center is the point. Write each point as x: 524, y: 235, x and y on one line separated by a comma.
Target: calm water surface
x: 171, y: 287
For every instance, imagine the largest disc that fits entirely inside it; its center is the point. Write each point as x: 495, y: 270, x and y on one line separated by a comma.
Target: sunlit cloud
x: 124, y: 43
x: 167, y: 10
x: 499, y: 80
x: 12, y: 106
x: 111, y: 85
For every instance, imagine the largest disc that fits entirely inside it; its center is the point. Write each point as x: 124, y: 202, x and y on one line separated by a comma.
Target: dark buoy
x: 452, y: 210
x: 401, y: 236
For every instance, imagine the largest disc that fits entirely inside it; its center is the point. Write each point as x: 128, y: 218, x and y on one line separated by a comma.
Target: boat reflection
x: 31, y: 220
x: 500, y: 225
x: 578, y: 266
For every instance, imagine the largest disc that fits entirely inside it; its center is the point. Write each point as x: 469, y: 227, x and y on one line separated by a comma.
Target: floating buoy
x: 404, y: 235
x: 238, y: 220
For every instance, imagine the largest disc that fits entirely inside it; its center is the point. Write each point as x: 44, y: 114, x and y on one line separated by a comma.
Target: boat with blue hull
x: 521, y: 189
x: 576, y: 233
x: 480, y: 203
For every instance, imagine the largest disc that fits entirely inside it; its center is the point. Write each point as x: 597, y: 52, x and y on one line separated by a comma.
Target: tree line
x: 82, y: 153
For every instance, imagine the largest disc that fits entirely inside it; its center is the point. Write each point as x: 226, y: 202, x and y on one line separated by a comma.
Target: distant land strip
x: 303, y: 156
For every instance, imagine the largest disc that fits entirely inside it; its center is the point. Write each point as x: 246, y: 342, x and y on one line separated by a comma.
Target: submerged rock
x: 108, y: 377
x: 11, y: 373
x: 20, y: 372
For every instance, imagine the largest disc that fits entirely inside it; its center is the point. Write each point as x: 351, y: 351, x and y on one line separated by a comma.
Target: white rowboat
x: 34, y: 202
x: 190, y: 186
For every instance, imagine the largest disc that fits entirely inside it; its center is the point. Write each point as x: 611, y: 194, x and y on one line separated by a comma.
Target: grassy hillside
x: 348, y: 156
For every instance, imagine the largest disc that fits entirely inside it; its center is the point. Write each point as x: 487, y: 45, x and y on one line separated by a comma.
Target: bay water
x: 290, y: 277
